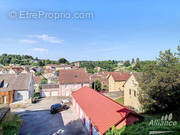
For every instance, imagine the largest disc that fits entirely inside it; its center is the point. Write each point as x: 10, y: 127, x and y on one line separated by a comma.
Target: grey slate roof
x: 15, y: 81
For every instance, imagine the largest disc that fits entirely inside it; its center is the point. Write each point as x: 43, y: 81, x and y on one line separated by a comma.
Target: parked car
x: 55, y: 108
x: 35, y: 99
x: 65, y: 101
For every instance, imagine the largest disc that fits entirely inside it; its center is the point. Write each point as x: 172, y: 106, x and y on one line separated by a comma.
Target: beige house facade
x: 131, y: 91
x: 115, y: 85
x: 117, y: 80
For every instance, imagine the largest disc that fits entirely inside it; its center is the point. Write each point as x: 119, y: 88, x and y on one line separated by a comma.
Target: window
x: 6, y: 85
x: 18, y: 95
x: 129, y: 91
x: 4, y: 99
x: 134, y: 93
x: 1, y: 83
x: 81, y: 84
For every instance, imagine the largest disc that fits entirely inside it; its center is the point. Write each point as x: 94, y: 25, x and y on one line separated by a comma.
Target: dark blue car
x: 55, y: 108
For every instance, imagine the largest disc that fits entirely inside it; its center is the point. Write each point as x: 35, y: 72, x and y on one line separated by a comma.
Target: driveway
x: 37, y: 120
x: 114, y: 95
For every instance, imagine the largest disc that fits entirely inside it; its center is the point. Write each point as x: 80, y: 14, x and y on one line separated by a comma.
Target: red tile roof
x: 51, y: 65
x: 37, y: 79
x: 75, y: 67
x: 48, y: 71
x: 120, y: 76
x: 100, y: 76
x: 73, y: 76
x: 101, y: 110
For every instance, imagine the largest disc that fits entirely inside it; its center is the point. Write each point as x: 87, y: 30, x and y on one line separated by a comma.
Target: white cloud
x: 27, y: 41
x: 47, y: 38
x: 41, y: 50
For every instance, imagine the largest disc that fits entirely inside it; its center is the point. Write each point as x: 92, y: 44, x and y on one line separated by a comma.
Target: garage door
x: 45, y: 94
x: 54, y: 93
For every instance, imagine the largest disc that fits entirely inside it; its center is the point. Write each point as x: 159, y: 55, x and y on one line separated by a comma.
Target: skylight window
x: 6, y: 85
x: 1, y: 83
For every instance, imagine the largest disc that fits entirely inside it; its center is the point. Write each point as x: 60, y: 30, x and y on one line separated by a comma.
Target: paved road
x: 37, y: 120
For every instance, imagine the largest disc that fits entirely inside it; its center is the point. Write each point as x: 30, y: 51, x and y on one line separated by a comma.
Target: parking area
x: 37, y: 119
x: 114, y: 95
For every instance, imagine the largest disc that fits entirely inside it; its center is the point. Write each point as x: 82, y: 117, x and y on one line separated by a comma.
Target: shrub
x: 37, y: 94
x: 11, y: 124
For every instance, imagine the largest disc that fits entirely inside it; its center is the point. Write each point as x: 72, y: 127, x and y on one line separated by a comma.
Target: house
x: 51, y: 66
x: 32, y: 70
x: 117, y: 81
x: 57, y: 67
x: 4, y: 71
x: 48, y: 90
x: 74, y: 67
x: 15, y: 87
x: 77, y: 64
x: 102, y: 76
x: 50, y: 75
x: 131, y: 90
x: 33, y: 61
x: 120, y: 63
x: 37, y: 80
x: 98, y: 69
x: 63, y: 67
x: 15, y: 70
x: 72, y: 80
x: 26, y: 69
x: 99, y: 113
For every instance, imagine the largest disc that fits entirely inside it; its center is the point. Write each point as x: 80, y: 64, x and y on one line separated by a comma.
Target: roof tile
x: 73, y: 76
x: 101, y: 110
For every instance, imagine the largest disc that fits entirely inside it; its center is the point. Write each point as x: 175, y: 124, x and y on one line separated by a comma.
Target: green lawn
x: 120, y: 100
x: 10, y: 124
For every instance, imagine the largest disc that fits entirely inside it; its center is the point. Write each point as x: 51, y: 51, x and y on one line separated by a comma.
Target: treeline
x: 6, y: 59
x: 112, y: 65
x: 108, y: 65
x: 138, y: 66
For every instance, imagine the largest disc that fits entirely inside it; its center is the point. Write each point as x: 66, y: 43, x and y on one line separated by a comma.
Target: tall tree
x: 127, y: 63
x: 160, y: 84
x: 133, y: 61
x: 137, y: 65
x: 178, y: 53
x: 63, y: 61
x: 97, y: 85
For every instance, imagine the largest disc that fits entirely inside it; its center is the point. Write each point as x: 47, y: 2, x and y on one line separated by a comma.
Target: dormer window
x: 1, y: 84
x: 75, y: 76
x: 6, y: 85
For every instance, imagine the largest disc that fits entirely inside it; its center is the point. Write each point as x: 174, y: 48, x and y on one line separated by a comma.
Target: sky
x: 115, y: 30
